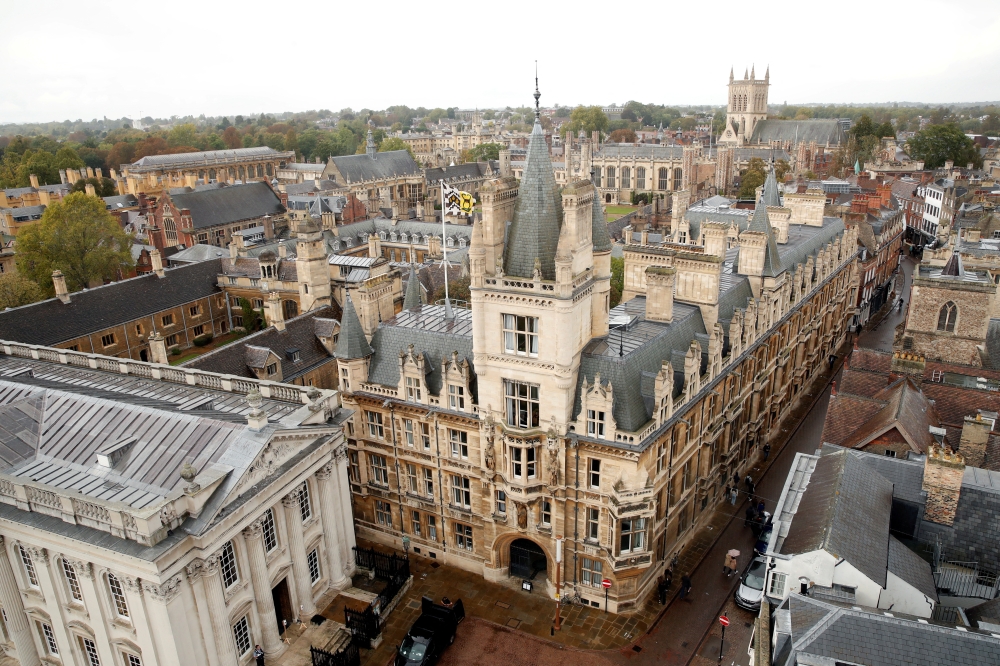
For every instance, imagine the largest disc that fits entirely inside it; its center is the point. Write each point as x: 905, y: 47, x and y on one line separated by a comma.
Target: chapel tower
x: 747, y: 105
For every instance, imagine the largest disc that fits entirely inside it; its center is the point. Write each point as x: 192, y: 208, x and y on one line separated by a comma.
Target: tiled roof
x: 50, y: 322
x: 538, y: 215
x: 414, y: 292
x: 300, y: 333
x: 229, y: 204
x: 384, y: 166
x: 352, y: 342
x: 860, y: 382
x: 844, y: 414
x: 845, y: 511
x: 903, y: 407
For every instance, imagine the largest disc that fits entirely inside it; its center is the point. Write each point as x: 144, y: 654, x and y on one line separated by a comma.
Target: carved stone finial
x: 188, y: 473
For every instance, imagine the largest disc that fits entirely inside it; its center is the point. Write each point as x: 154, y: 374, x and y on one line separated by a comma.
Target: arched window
x: 597, y: 177
x: 640, y: 178
x: 663, y: 179
x: 947, y: 317
x: 242, y: 177
x: 117, y: 595
x: 678, y: 173
x: 291, y: 308
x: 609, y: 172
x: 626, y: 177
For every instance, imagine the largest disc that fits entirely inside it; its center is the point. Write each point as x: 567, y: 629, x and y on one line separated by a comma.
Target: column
x: 159, y: 597
x: 253, y: 536
x: 211, y: 579
x: 194, y: 571
x: 17, y: 621
x: 329, y: 513
x: 297, y: 550
x: 346, y: 515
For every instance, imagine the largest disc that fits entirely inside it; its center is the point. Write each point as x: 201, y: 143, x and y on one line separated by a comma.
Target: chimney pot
x: 59, y: 282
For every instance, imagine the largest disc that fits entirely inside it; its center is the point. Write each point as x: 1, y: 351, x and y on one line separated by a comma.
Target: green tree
x: 67, y: 158
x: 17, y: 290
x: 394, y: 143
x: 78, y: 237
x: 752, y: 178
x: 458, y: 289
x: 588, y: 118
x: 484, y: 152
x: 937, y: 144
x: 183, y: 135
x: 252, y: 319
x: 103, y: 187
x: 781, y: 167
x: 291, y: 140
x: 617, y: 279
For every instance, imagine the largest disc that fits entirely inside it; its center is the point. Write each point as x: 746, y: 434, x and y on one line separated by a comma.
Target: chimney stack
x: 59, y: 282
x: 91, y: 190
x: 34, y: 180
x: 975, y: 434
x: 943, y: 472
x: 660, y: 293
x: 157, y: 260
x: 158, y: 349
x: 277, y: 314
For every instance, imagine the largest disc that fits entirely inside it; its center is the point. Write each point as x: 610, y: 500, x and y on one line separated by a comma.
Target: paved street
x: 881, y: 331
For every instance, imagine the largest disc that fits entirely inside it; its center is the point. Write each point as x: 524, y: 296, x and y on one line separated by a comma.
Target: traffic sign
x: 723, y: 620
x: 605, y: 583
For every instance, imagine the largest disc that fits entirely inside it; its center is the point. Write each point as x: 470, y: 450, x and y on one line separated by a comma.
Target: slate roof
x: 414, y: 292
x: 911, y: 568
x: 538, y: 215
x: 599, y: 226
x: 431, y: 334
x: 121, y: 201
x: 50, y: 322
x: 770, y: 195
x: 300, y: 333
x: 308, y: 186
x: 906, y: 476
x: 196, y: 253
x: 352, y: 342
x: 204, y: 157
x: 225, y: 205
x: 845, y: 511
x: 461, y: 171
x: 760, y: 222
x: 384, y: 166
x: 642, y: 151
x: 822, y: 131
x: 855, y: 635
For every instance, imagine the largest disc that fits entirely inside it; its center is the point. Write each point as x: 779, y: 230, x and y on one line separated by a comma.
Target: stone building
x: 157, y: 516
x: 158, y: 173
x: 391, y: 180
x: 948, y: 317
x: 484, y: 435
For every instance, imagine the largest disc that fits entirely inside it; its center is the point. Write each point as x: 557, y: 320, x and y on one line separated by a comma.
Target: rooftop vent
x: 109, y: 456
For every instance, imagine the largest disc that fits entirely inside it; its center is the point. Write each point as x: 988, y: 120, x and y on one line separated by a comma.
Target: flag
x: 455, y: 201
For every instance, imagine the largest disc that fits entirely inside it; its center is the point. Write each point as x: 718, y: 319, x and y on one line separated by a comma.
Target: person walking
x: 727, y: 491
x: 685, y: 586
x: 760, y: 510
x: 258, y: 654
x: 767, y: 451
x: 733, y: 492
x: 729, y: 566
x: 751, y: 516
x: 736, y: 477
x: 661, y: 590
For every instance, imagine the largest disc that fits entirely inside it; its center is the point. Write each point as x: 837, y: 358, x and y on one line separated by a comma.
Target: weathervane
x: 538, y: 112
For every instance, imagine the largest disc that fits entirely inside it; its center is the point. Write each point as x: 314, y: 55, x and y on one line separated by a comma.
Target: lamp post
x: 559, y: 549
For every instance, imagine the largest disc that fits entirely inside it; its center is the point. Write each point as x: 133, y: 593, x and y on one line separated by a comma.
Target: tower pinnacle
x: 538, y: 112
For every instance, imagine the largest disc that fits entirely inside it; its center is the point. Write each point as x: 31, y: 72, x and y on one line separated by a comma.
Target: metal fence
x: 365, y: 626
x: 349, y: 656
x: 965, y: 579
x: 385, y: 565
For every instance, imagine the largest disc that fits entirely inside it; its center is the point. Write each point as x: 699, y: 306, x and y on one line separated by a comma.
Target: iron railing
x: 348, y: 656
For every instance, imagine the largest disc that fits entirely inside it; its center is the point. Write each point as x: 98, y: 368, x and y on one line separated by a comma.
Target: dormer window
x: 402, y: 237
x: 595, y: 423
x: 413, y: 389
x: 293, y: 355
x: 272, y: 369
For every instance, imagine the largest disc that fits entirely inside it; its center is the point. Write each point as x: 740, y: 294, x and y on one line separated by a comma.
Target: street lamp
x: 406, y: 546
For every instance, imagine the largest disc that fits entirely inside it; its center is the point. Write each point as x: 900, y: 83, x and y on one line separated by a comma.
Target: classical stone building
x: 156, y: 173
x: 391, y: 180
x: 484, y: 435
x: 157, y: 516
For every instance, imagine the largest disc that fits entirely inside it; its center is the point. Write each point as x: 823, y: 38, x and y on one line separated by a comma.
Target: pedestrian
x: 749, y: 484
x: 661, y: 589
x: 729, y: 567
x: 751, y: 515
x: 751, y: 491
x: 733, y: 492
x: 760, y: 509
x: 728, y: 488
x: 685, y: 586
x: 767, y: 451
x: 668, y: 579
x: 833, y: 359
x: 258, y: 654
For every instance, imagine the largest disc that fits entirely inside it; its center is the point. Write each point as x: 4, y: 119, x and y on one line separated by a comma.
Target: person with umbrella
x: 730, y: 567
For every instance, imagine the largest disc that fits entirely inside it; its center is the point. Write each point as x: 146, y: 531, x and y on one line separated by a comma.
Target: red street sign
x: 723, y: 620
x: 605, y: 583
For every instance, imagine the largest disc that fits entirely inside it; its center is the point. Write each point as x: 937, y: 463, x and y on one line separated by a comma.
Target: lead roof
x: 226, y: 205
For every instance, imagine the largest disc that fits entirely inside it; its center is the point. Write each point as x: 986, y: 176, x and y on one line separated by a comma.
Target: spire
x: 538, y: 112
x: 538, y: 214
x: 767, y: 73
x: 770, y: 194
x: 414, y: 296
x: 351, y: 343
x: 745, y: 75
x: 752, y: 71
x: 370, y: 145
x: 761, y: 223
x: 599, y: 224
x: 730, y: 74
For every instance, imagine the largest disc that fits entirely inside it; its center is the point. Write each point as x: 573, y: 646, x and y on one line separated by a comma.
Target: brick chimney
x: 91, y: 190
x: 59, y: 282
x: 157, y: 261
x: 975, y: 433
x: 660, y: 293
x: 34, y: 180
x: 943, y: 472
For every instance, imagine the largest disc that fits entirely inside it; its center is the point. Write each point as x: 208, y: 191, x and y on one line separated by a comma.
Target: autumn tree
x: 77, y: 236
x: 232, y: 138
x: 484, y: 152
x: 752, y: 178
x: 623, y: 136
x: 17, y: 290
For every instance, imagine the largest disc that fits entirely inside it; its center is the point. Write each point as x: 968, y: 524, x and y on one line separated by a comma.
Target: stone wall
x: 974, y: 303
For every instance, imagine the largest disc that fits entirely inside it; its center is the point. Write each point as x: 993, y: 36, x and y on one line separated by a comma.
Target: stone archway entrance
x: 607, y: 198
x: 527, y: 559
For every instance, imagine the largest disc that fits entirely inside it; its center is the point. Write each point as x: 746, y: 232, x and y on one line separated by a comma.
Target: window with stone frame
x: 415, y: 522
x: 227, y: 562
x: 501, y: 502
x: 593, y: 524
x: 425, y: 435
x: 411, y: 475
x: 89, y: 649
x: 461, y: 491
x: 413, y: 392
x: 72, y: 582
x: 429, y: 482
x: 640, y: 178
x: 663, y: 180
x: 379, y: 470
x: 595, y: 423
x: 463, y: 536
x: 456, y: 397
x: 313, y: 561
x: 270, y: 533
x: 591, y: 572
x: 946, y: 317
x: 595, y: 473
x: 520, y: 335
x: 633, y: 535
x: 609, y: 176
x: 459, y: 440
x: 375, y: 428
x: 678, y: 178
x: 48, y: 638
x: 119, y: 604
x: 305, y: 502
x: 241, y: 632
x: 522, y: 404
x: 545, y: 513
x: 626, y: 177
x: 354, y: 468
x: 383, y: 513
x: 408, y: 432
x: 108, y: 339
x: 29, y: 567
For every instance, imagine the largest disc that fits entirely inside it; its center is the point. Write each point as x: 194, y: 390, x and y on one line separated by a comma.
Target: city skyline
x: 239, y: 69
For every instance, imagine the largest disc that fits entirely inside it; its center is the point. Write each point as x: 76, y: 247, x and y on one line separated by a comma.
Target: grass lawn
x: 614, y: 212
x: 218, y: 341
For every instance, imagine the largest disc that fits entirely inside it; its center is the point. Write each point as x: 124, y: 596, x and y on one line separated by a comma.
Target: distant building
x: 155, y: 173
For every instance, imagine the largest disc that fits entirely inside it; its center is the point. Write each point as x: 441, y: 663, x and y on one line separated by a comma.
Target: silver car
x: 751, y: 587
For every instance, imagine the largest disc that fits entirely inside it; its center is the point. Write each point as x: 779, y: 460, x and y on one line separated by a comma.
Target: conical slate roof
x: 762, y: 223
x: 352, y: 342
x: 770, y: 194
x: 413, y: 296
x: 538, y: 215
x: 599, y: 226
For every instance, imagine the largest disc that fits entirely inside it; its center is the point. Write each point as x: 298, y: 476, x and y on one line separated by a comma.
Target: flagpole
x: 444, y: 250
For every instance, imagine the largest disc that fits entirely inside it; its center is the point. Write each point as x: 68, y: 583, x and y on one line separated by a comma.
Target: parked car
x: 764, y: 537
x: 432, y: 632
x: 751, y: 587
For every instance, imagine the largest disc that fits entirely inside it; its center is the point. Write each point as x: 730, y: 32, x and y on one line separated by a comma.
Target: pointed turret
x: 352, y: 343
x: 730, y: 74
x: 534, y: 231
x: 599, y: 225
x: 752, y: 72
x: 760, y: 222
x: 370, y: 145
x: 414, y: 295
x: 767, y: 73
x: 746, y: 75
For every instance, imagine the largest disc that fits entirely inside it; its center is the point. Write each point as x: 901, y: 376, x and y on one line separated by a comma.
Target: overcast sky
x: 67, y: 60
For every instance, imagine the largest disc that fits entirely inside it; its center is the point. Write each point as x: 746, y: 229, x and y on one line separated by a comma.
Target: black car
x: 433, y: 631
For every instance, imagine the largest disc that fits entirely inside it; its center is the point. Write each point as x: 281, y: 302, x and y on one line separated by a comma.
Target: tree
x: 617, y: 279
x: 183, y: 135
x: 103, y: 187
x: 291, y: 140
x: 937, y: 144
x: 623, y: 136
x: 781, y: 167
x: 17, y: 290
x: 586, y: 118
x: 752, y: 178
x: 458, y: 290
x: 394, y: 143
x: 232, y: 138
x: 77, y: 236
x: 252, y: 319
x: 484, y: 152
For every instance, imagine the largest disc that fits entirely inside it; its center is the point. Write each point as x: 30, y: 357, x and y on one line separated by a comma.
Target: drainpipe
x: 399, y: 483
x: 437, y: 447
x: 574, y: 442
